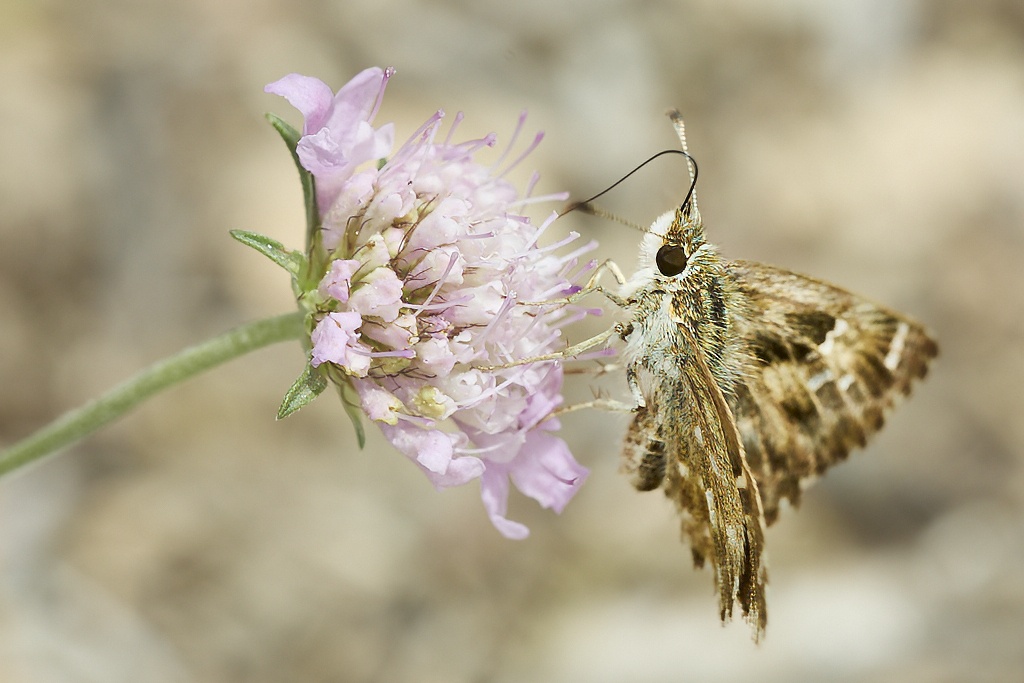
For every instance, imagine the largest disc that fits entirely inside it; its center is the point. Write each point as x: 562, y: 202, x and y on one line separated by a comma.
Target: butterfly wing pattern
x: 827, y: 366
x: 749, y: 381
x: 817, y: 368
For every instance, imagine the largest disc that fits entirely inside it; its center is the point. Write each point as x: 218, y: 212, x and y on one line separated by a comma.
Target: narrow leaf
x: 272, y: 249
x: 350, y: 400
x: 291, y: 138
x: 308, y: 386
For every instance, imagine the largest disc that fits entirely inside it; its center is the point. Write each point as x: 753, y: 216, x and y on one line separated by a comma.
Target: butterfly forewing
x: 827, y: 365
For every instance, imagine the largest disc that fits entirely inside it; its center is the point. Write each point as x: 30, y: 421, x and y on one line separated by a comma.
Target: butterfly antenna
x: 594, y: 210
x: 587, y: 205
x: 689, y: 205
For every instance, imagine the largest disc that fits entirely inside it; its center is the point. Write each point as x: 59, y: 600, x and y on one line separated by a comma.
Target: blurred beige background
x: 876, y: 144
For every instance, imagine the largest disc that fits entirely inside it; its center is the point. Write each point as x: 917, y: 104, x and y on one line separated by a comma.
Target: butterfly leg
x: 607, y: 266
x: 601, y: 370
x: 633, y: 381
x: 609, y: 404
x: 593, y: 285
x: 567, y: 353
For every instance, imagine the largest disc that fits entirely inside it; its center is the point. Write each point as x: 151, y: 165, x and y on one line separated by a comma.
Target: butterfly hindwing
x: 688, y: 444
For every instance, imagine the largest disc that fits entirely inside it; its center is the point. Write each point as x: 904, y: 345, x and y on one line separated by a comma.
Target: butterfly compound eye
x: 670, y: 259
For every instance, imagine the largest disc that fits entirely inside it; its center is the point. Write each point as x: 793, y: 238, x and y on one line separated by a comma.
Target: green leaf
x: 308, y: 386
x: 292, y: 261
x: 291, y: 138
x: 350, y: 400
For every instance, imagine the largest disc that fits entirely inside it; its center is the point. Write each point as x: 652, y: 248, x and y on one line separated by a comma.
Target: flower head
x: 426, y: 260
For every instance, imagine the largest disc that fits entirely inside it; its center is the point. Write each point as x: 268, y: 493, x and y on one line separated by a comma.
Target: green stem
x: 82, y: 421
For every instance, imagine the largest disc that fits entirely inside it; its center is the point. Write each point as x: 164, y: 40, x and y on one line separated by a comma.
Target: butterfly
x: 748, y: 380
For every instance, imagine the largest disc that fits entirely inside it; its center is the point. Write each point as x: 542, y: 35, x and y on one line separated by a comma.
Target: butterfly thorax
x: 702, y: 298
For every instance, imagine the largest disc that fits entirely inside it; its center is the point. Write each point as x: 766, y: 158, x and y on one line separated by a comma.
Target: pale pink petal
x: 338, y: 281
x: 461, y: 471
x: 468, y: 386
x: 378, y: 294
x: 389, y: 206
x: 482, y: 307
x: 349, y: 198
x: 325, y: 156
x: 436, y: 355
x: 445, y: 264
x: 332, y: 336
x: 379, y: 404
x: 335, y: 340
x: 374, y: 254
x: 371, y: 144
x: 433, y: 451
x: 544, y: 397
x: 546, y: 471
x: 441, y: 226
x: 396, y: 335
x: 311, y: 96
x: 356, y: 99
x: 494, y: 493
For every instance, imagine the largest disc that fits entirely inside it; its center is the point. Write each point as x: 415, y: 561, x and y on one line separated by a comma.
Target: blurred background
x: 875, y: 144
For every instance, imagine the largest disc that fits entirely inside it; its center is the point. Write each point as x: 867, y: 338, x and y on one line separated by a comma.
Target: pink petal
x: 335, y: 340
x: 430, y: 448
x: 356, y: 99
x: 396, y: 335
x: 370, y: 143
x: 378, y: 294
x: 546, y: 471
x: 433, y: 451
x: 544, y: 398
x: 311, y: 96
x: 436, y: 355
x: 494, y: 493
x: 461, y: 470
x: 486, y: 300
x: 347, y: 200
x: 379, y: 404
x: 338, y: 280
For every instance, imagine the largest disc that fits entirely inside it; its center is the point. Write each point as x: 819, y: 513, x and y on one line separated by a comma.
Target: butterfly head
x: 681, y: 235
x: 676, y: 237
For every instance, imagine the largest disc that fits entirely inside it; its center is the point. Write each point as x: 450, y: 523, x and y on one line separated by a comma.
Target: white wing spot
x: 899, y: 340
x: 839, y: 329
x: 820, y: 379
x: 699, y: 436
x: 711, y: 506
x: 845, y: 382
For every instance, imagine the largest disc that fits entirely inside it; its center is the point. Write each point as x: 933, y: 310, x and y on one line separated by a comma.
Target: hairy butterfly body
x: 748, y: 380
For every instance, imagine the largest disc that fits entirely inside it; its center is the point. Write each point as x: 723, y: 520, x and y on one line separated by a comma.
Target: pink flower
x: 544, y: 469
x: 335, y: 340
x: 337, y: 134
x: 338, y: 281
x: 427, y: 260
x: 379, y: 295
